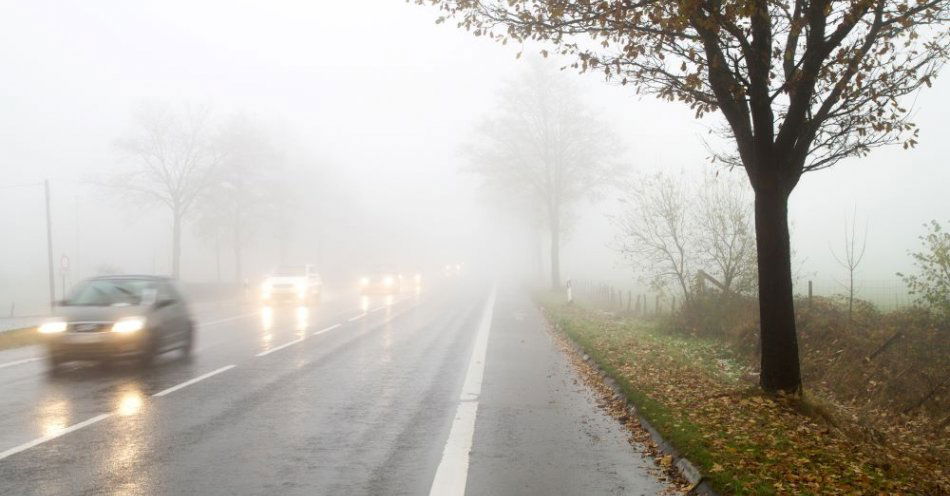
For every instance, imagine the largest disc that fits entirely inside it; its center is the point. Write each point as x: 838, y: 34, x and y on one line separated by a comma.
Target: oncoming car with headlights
x: 114, y: 317
x: 293, y: 283
x: 385, y: 282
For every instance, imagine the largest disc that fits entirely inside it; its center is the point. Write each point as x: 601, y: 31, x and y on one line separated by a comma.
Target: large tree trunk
x: 780, y: 366
x: 176, y: 244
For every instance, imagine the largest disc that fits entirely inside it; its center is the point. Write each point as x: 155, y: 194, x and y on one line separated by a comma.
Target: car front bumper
x: 95, y: 345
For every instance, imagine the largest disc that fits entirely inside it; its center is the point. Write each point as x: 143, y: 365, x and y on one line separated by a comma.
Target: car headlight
x: 364, y: 281
x: 389, y: 281
x: 128, y: 325
x: 53, y: 327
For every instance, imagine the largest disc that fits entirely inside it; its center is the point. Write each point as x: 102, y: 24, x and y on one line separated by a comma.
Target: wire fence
x: 632, y: 300
x: 885, y: 294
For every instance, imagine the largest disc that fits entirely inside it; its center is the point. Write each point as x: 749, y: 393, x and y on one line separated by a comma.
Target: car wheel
x: 189, y: 343
x: 147, y: 358
x: 54, y: 363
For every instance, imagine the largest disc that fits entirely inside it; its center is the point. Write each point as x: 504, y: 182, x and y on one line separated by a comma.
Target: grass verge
x: 19, y: 337
x: 744, y: 442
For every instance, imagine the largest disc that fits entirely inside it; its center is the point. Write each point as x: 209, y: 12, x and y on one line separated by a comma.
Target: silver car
x: 114, y: 317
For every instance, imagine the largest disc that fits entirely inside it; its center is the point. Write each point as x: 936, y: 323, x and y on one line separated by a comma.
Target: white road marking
x: 278, y: 348
x: 50, y: 437
x: 452, y: 474
x: 328, y: 329
x: 356, y: 317
x: 18, y: 362
x: 192, y: 381
x: 228, y: 319
x: 378, y: 308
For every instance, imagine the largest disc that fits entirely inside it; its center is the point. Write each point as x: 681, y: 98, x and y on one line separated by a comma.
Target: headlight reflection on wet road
x: 54, y: 416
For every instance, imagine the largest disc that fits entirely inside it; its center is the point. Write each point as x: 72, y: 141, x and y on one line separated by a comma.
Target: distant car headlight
x: 129, y: 325
x: 418, y: 278
x: 53, y: 327
x: 389, y: 281
x: 364, y: 281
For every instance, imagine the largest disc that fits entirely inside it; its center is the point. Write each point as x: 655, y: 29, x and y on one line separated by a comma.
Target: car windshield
x: 111, y: 292
x: 288, y: 271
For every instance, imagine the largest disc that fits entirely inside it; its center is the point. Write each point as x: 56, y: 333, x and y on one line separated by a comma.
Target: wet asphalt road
x: 457, y: 384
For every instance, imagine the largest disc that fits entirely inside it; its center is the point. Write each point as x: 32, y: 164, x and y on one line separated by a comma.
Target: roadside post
x: 570, y: 292
x: 63, y: 272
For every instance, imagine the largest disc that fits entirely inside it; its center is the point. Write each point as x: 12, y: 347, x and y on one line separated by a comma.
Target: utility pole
x: 49, y: 247
x: 78, y: 274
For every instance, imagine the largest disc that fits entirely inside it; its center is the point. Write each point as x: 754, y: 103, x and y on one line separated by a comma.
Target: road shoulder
x: 539, y: 428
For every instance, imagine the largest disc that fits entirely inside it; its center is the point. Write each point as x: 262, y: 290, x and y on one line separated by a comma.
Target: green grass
x: 18, y: 338
x: 692, y: 391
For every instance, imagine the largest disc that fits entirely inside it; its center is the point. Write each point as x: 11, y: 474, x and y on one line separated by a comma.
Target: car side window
x: 166, y: 292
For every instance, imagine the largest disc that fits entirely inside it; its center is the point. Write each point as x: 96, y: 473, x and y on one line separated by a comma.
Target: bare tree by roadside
x: 170, y: 158
x: 800, y: 85
x: 931, y: 282
x: 235, y: 204
x: 851, y: 256
x: 657, y: 235
x: 725, y: 241
x: 545, y: 150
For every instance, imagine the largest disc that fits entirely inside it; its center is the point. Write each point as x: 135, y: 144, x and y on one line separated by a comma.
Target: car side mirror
x: 164, y: 303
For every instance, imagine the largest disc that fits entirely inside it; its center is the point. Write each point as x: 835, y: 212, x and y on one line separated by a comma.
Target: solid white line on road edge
x: 452, y: 474
x: 18, y: 362
x: 328, y: 329
x: 228, y: 319
x: 268, y: 352
x: 356, y: 317
x: 50, y: 437
x: 192, y: 381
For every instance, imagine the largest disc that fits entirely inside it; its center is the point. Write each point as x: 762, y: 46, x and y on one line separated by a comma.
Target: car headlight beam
x: 53, y: 327
x: 129, y: 325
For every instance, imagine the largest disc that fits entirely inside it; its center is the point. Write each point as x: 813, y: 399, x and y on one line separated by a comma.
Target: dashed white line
x: 356, y: 317
x: 452, y: 474
x: 328, y: 329
x: 50, y: 437
x: 192, y: 381
x: 378, y: 308
x: 19, y: 362
x: 228, y: 319
x: 278, y: 348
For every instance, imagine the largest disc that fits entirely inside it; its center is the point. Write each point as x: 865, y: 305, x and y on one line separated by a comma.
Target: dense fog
x: 365, y: 110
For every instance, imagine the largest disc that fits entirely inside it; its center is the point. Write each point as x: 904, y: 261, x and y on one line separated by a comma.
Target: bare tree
x: 171, y: 159
x: 726, y: 233
x: 851, y: 256
x: 656, y: 232
x: 545, y: 150
x: 801, y: 85
x: 236, y: 203
x: 931, y: 283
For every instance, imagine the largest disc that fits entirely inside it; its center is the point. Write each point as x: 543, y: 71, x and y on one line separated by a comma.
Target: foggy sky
x: 377, y: 91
